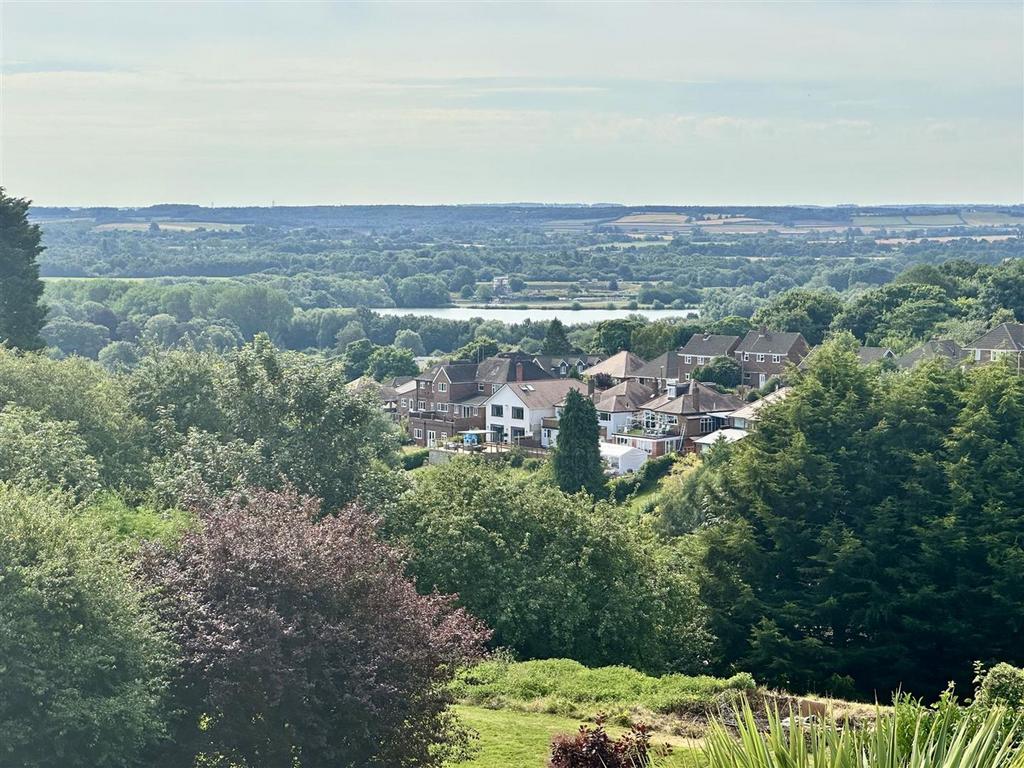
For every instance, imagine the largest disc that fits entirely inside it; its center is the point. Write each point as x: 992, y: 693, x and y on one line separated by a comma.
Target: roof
x: 868, y: 355
x: 769, y: 342
x: 504, y: 368
x: 1006, y: 336
x: 936, y: 348
x: 617, y: 451
x: 553, y: 361
x: 729, y: 435
x: 710, y: 344
x: 477, y: 399
x: 542, y: 394
x: 624, y: 397
x: 366, y: 384
x: 621, y: 365
x: 750, y: 411
x: 694, y: 398
x: 406, y: 387
x: 456, y: 371
x: 664, y: 366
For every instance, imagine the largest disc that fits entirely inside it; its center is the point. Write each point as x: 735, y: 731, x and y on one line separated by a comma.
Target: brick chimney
x: 696, y: 396
x: 763, y: 330
x: 590, y: 385
x: 519, y: 371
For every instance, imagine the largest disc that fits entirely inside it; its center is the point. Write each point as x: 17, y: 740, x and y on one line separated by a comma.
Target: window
x: 746, y: 356
x: 495, y: 388
x: 993, y: 354
x: 497, y: 410
x: 480, y: 386
x: 442, y: 407
x: 701, y: 359
x: 760, y: 357
x: 688, y: 359
x: 517, y: 413
x: 776, y: 358
x: 404, y: 403
x: 444, y: 435
x: 418, y: 433
x: 423, y: 405
x: 707, y: 424
x: 442, y: 386
x: 604, y: 416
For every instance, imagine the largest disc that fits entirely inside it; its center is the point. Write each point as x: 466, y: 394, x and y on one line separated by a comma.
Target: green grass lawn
x: 510, y: 739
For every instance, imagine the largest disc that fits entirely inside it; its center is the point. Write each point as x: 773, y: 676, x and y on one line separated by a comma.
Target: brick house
x: 764, y: 354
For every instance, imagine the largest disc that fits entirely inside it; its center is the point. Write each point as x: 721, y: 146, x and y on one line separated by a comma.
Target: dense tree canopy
x: 21, y: 312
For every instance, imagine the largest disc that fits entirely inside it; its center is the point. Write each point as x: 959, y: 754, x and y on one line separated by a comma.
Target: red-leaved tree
x: 302, y: 641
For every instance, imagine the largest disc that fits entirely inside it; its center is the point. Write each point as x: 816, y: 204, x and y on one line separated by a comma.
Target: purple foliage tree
x: 302, y: 641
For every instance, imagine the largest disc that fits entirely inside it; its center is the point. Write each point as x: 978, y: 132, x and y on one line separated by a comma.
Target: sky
x: 298, y: 103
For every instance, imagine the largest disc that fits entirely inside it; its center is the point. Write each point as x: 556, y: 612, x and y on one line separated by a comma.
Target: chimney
x: 590, y: 385
x: 696, y: 396
x: 519, y: 371
x: 763, y: 330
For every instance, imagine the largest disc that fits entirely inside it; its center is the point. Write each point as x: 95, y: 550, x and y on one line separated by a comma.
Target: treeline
x: 867, y: 534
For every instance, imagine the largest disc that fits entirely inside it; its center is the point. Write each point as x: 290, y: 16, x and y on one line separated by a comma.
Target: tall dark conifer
x: 577, y: 457
x: 21, y: 313
x: 556, y: 342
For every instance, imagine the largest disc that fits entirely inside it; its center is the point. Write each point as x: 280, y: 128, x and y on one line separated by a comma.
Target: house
x: 500, y: 285
x: 1005, y: 339
x: 869, y: 355
x: 513, y: 414
x: 615, y: 408
x: 389, y: 392
x: 701, y: 349
x: 765, y: 354
x: 619, y: 367
x: 944, y: 349
x: 622, y: 459
x: 561, y: 366
x: 727, y: 435
x: 671, y: 420
x: 448, y: 397
x: 746, y: 417
x: 661, y: 370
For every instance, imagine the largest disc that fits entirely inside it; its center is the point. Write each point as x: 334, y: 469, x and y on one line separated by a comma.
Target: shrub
x: 82, y: 664
x: 414, y: 459
x: 1002, y: 685
x: 594, y: 748
x: 303, y: 642
x: 644, y: 479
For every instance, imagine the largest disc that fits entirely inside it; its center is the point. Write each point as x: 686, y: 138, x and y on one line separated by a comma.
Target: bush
x: 1002, y: 685
x: 644, y: 479
x: 569, y: 688
x: 414, y: 459
x: 303, y: 642
x: 82, y: 664
x: 594, y: 748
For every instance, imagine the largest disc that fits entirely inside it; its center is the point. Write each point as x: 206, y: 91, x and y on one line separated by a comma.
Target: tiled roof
x: 868, y: 355
x: 664, y: 366
x: 694, y: 398
x: 543, y: 394
x: 710, y: 345
x: 750, y: 411
x: 621, y: 365
x: 944, y: 348
x: 1006, y: 336
x: 503, y: 368
x: 624, y: 397
x: 769, y: 342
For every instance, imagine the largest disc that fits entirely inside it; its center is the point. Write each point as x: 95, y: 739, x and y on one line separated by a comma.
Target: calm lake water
x: 567, y: 316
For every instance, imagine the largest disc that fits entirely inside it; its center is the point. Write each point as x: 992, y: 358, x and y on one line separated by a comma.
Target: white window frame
x: 442, y: 407
x: 776, y: 358
x: 707, y: 424
x: 417, y: 433
x: 760, y: 357
x: 479, y: 386
x: 701, y: 359
x: 746, y: 356
x: 422, y: 405
x: 688, y: 359
x: 442, y: 386
x: 604, y: 416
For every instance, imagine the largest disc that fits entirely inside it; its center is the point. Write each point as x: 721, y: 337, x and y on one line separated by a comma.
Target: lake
x: 509, y: 315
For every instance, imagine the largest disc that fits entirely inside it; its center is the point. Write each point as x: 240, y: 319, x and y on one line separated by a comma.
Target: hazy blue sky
x: 772, y: 102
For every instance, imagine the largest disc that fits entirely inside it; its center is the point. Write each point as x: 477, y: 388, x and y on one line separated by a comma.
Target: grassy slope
x: 510, y: 739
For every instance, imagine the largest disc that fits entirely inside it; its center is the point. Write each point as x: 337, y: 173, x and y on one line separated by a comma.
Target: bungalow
x: 765, y: 354
x: 746, y: 417
x: 615, y: 408
x: 1005, y: 339
x: 515, y: 411
x: 619, y: 367
x: 670, y: 421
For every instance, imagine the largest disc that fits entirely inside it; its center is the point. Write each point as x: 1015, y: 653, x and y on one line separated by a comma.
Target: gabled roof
x: 1008, y: 336
x: 751, y: 411
x: 664, y: 366
x: 868, y: 355
x: 942, y: 348
x: 554, y: 361
x: 621, y: 365
x: 729, y: 435
x: 710, y: 345
x: 694, y: 398
x: 455, y: 371
x: 541, y: 394
x: 622, y: 398
x: 769, y: 342
x: 504, y: 367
